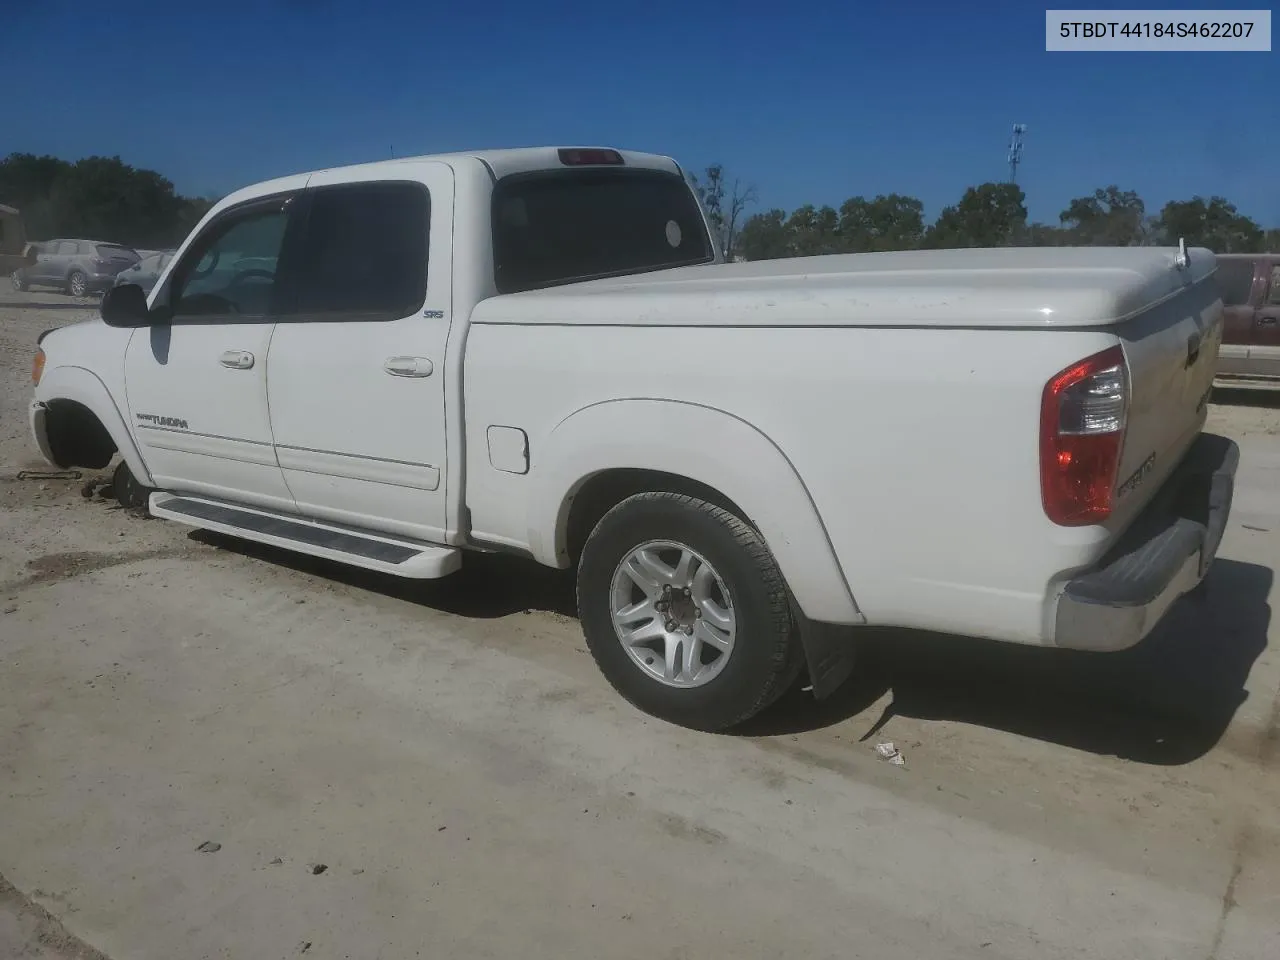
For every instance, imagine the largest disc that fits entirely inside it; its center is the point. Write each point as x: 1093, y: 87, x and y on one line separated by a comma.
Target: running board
x: 373, y: 551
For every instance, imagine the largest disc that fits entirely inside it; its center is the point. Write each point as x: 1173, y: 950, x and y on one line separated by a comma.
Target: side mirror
x: 125, y: 306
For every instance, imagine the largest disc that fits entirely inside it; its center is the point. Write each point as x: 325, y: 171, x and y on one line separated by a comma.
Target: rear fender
x: 702, y: 444
x: 84, y: 387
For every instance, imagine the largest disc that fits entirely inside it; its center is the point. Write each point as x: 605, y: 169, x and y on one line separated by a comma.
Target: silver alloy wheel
x: 77, y: 284
x: 673, y: 614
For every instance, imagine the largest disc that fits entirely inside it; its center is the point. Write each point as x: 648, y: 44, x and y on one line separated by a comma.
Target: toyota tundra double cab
x: 541, y: 351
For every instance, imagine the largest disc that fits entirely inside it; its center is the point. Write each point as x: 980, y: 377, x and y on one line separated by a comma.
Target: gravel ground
x: 394, y: 769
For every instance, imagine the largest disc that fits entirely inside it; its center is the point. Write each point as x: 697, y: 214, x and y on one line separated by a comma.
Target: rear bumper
x: 1164, y: 554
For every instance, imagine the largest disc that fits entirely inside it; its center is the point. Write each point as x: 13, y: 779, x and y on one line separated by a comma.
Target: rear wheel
x: 19, y: 281
x: 685, y: 611
x: 76, y: 284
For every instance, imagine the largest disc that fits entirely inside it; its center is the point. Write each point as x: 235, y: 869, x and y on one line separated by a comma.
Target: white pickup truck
x: 541, y: 351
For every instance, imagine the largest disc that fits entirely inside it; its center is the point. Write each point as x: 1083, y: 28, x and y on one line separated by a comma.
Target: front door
x: 356, y: 374
x: 197, y: 385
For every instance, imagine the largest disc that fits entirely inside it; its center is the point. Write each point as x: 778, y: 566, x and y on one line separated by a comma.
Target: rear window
x: 554, y: 228
x: 1235, y: 281
x: 110, y: 251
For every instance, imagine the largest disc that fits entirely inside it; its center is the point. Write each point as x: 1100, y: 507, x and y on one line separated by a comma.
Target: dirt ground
x: 208, y: 749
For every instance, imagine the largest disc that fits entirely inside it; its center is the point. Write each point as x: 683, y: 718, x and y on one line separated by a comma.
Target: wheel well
x: 604, y: 491
x: 76, y: 436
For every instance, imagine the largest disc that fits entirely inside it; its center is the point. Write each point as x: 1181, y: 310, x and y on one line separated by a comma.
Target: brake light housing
x: 1083, y: 416
x: 590, y: 157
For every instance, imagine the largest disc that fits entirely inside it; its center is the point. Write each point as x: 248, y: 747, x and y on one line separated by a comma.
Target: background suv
x: 77, y: 267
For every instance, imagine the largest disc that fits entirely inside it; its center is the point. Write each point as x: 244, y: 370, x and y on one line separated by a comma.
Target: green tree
x: 814, y: 231
x: 988, y: 215
x: 893, y: 222
x: 1271, y: 242
x: 1110, y: 217
x: 101, y: 198
x: 725, y: 201
x: 765, y: 237
x: 1214, y: 223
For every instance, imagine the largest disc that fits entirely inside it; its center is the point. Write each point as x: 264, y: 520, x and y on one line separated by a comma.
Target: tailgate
x: 1172, y: 354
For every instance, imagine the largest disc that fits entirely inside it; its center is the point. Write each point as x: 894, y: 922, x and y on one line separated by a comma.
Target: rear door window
x: 563, y: 226
x: 364, y: 254
x: 1235, y: 281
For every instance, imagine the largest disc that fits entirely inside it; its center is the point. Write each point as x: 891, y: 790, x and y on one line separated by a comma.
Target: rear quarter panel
x: 918, y: 447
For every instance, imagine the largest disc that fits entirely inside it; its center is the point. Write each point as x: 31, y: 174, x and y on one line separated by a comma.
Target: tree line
x: 988, y: 215
x: 97, y: 198
x: 103, y: 198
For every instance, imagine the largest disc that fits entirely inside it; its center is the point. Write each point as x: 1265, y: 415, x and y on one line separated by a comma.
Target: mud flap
x: 830, y: 649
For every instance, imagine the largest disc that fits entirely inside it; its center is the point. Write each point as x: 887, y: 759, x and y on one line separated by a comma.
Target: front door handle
x: 237, y: 359
x: 408, y: 367
x: 1267, y: 321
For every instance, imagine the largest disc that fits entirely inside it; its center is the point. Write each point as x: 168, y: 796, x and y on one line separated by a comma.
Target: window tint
x: 113, y: 251
x: 561, y: 227
x: 231, y: 270
x: 1235, y: 280
x: 1274, y: 296
x: 364, y: 255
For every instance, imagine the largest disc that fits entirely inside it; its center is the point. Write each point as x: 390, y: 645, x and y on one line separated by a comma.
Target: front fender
x: 705, y: 445
x: 84, y: 387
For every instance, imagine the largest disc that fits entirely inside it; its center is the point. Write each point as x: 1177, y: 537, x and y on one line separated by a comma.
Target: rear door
x: 1235, y: 279
x: 1264, y: 352
x: 356, y: 374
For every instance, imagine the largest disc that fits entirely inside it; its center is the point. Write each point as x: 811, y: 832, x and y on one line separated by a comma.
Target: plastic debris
x: 888, y: 751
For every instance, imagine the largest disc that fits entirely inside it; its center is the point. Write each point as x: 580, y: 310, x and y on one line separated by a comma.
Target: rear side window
x: 559, y: 227
x: 111, y: 251
x: 1235, y: 281
x: 66, y: 248
x: 364, y: 256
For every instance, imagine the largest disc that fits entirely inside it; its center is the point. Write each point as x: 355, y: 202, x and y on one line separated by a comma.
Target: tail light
x: 37, y: 367
x: 1082, y: 421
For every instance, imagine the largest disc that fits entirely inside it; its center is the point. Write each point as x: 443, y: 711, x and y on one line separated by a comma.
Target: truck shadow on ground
x: 1166, y: 701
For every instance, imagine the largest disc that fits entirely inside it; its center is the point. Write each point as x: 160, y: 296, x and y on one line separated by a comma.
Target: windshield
x: 555, y: 228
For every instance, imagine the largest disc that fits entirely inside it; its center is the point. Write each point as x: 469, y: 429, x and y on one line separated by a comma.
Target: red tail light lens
x: 590, y: 156
x: 1083, y: 415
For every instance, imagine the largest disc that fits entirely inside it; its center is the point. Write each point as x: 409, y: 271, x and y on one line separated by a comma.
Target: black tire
x: 765, y: 657
x: 19, y: 281
x: 128, y: 490
x: 76, y: 283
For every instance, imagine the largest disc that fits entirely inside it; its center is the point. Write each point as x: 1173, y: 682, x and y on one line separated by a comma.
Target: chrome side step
x: 373, y: 551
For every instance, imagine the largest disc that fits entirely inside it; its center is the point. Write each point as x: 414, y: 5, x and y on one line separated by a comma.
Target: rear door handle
x: 408, y: 367
x: 237, y: 359
x: 1267, y: 321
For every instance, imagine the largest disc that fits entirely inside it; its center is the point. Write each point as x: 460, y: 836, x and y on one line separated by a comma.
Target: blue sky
x: 812, y: 102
